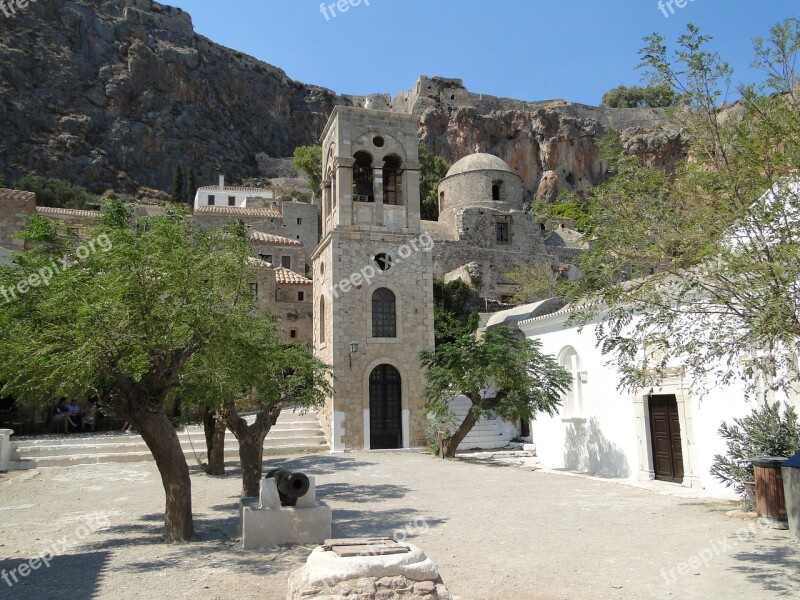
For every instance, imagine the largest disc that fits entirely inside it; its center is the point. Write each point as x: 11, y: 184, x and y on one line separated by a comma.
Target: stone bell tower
x: 373, y: 281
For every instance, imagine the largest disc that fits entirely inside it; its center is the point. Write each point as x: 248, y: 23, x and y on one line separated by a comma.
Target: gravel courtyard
x: 496, y: 532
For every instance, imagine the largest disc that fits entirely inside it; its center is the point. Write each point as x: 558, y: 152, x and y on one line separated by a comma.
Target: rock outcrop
x: 112, y: 94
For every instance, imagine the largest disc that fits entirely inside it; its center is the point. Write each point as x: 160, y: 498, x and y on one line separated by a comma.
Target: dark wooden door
x: 385, y: 409
x: 665, y: 432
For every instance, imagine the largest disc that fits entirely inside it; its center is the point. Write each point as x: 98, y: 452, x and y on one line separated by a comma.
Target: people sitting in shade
x: 75, y: 413
x: 61, y: 414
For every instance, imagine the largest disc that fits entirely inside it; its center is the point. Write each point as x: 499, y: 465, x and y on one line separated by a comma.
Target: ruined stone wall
x: 15, y: 208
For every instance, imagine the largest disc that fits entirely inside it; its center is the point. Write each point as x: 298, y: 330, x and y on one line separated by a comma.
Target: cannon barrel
x: 291, y: 486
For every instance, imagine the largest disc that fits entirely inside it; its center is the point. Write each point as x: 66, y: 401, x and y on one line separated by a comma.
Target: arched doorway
x: 385, y: 408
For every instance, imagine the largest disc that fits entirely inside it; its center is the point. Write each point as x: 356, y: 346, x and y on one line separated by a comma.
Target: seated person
x: 75, y: 412
x: 61, y: 415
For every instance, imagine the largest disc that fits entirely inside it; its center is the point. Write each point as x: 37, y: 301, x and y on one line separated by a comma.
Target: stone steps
x: 486, y: 434
x: 293, y: 433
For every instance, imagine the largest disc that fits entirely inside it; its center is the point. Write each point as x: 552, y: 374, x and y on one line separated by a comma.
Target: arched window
x: 322, y: 320
x: 362, y: 178
x: 572, y: 399
x: 384, y: 314
x: 392, y: 181
x: 496, y: 191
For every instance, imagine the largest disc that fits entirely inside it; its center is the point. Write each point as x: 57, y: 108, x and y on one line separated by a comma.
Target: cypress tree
x: 191, y: 187
x: 178, y: 193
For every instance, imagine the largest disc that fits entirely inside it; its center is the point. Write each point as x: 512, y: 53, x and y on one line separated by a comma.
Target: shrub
x: 55, y: 193
x: 770, y: 430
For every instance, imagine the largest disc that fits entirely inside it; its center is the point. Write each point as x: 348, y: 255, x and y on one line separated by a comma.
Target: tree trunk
x: 451, y: 444
x: 160, y: 436
x: 251, y: 446
x: 214, y: 428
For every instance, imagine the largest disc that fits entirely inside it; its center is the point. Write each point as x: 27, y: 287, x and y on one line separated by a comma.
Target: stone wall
x: 15, y: 207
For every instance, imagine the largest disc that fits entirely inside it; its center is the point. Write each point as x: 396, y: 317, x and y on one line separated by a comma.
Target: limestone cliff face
x: 112, y: 94
x: 552, y: 144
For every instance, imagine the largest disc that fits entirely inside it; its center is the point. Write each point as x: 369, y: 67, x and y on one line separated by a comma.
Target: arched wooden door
x: 385, y: 408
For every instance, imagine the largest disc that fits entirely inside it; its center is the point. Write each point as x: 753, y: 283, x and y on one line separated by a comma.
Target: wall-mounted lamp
x: 584, y: 376
x: 354, y: 351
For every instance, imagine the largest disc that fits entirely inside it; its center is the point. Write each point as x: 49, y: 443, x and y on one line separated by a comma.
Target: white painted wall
x: 606, y: 439
x: 222, y: 192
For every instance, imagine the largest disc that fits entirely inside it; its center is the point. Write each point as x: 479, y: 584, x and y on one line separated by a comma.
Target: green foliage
x: 432, y: 170
x: 454, y: 310
x: 769, y: 430
x: 2, y: 180
x: 444, y: 424
x: 178, y: 193
x: 651, y: 96
x: 536, y: 281
x: 499, y: 372
x: 56, y: 193
x: 308, y: 159
x: 191, y: 186
x: 694, y: 266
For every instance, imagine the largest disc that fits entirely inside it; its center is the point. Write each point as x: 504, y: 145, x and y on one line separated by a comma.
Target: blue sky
x: 525, y: 49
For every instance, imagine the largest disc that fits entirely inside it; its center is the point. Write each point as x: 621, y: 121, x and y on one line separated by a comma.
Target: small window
x: 293, y: 333
x: 286, y: 262
x: 212, y: 199
x: 299, y: 221
x: 496, y: 192
x: 301, y: 296
x: 322, y: 320
x: 231, y: 200
x: 266, y: 257
x: 254, y: 290
x: 503, y: 236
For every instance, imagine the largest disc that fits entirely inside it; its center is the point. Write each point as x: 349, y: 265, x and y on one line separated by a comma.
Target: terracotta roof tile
x: 237, y: 211
x: 7, y: 194
x: 274, y: 240
x: 67, y: 212
x: 284, y: 276
x: 257, y: 262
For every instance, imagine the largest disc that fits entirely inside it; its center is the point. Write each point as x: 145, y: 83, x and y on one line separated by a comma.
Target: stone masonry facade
x: 370, y: 246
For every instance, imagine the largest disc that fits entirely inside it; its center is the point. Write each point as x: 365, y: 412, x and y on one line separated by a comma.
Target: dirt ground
x: 496, y: 532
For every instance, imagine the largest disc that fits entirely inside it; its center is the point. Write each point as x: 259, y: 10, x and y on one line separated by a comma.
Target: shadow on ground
x: 57, y: 581
x: 768, y: 567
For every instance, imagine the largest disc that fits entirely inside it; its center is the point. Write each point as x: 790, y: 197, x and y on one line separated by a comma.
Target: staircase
x: 292, y: 434
x: 487, y: 433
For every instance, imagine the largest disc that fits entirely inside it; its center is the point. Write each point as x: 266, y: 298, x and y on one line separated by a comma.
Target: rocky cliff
x: 112, y: 94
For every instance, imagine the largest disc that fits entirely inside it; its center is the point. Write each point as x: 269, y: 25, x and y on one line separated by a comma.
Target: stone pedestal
x: 328, y: 576
x: 267, y: 524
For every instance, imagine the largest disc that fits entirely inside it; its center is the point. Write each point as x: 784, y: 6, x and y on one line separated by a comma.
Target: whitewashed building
x: 231, y: 196
x: 667, y: 433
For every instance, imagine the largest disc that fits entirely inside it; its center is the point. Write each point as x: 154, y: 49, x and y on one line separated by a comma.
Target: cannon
x: 291, y: 486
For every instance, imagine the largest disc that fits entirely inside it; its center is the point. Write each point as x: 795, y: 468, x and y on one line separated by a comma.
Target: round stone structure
x: 481, y: 180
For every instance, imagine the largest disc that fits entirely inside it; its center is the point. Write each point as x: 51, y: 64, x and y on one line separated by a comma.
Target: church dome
x: 479, y: 162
